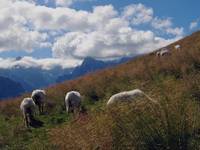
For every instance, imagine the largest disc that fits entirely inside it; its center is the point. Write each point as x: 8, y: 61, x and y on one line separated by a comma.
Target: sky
x: 50, y: 33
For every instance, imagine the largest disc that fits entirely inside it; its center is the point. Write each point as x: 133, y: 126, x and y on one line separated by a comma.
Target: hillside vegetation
x: 174, y: 81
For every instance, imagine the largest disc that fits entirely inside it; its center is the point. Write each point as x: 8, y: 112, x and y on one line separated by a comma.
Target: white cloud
x: 111, y: 35
x: 161, y: 23
x: 178, y: 32
x: 20, y: 38
x: 46, y: 18
x: 107, y: 45
x: 194, y: 24
x: 64, y: 2
x: 15, y: 34
x: 45, y: 63
x: 103, y: 33
x: 67, y: 3
x: 138, y: 14
x: 166, y: 26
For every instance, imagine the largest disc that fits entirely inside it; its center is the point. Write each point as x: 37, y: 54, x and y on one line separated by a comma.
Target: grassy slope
x: 172, y: 80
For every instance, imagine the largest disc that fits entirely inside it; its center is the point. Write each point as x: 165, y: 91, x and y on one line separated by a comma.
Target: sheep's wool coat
x: 73, y: 99
x: 38, y: 95
x: 27, y: 103
x: 177, y: 46
x: 125, y: 96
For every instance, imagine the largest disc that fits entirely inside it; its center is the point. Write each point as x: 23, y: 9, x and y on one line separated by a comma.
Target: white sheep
x: 39, y: 97
x: 158, y: 53
x: 73, y: 101
x: 27, y: 107
x: 127, y: 96
x: 162, y: 52
x: 177, y: 47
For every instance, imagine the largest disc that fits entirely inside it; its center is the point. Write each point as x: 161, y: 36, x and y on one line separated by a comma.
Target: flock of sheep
x: 73, y: 99
x: 165, y: 51
x: 72, y: 102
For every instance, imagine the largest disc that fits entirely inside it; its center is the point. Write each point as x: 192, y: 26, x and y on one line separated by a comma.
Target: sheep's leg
x: 26, y: 121
x: 78, y: 110
x: 72, y: 110
x: 39, y: 106
x: 76, y: 113
x: 34, y: 112
x: 67, y: 109
x: 42, y: 108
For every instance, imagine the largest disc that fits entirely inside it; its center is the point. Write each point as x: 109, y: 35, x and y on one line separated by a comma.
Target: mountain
x: 31, y: 78
x: 34, y: 77
x: 9, y: 88
x: 89, y: 65
x: 171, y: 122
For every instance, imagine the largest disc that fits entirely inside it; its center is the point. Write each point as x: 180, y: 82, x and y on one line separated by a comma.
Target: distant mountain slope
x: 31, y: 78
x: 34, y: 77
x: 90, y: 65
x: 9, y: 88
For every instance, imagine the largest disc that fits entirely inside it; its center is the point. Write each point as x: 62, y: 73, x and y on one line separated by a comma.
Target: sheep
x: 127, y: 96
x: 27, y: 107
x: 158, y: 53
x: 177, y: 47
x: 73, y: 101
x: 39, y: 97
x: 163, y: 52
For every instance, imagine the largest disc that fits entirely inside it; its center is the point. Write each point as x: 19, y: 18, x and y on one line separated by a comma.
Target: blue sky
x: 183, y: 12
x: 67, y: 31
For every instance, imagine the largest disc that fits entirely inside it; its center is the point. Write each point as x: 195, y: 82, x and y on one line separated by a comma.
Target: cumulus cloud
x: 161, y: 23
x: 112, y: 36
x: 178, y: 32
x: 67, y: 3
x: 194, y: 24
x: 166, y: 26
x: 103, y: 32
x: 106, y: 45
x: 15, y: 34
x: 45, y: 63
x: 138, y: 13
x: 17, y: 38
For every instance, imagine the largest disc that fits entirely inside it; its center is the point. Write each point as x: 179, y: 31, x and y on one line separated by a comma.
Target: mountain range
x: 28, y: 79
x: 91, y: 65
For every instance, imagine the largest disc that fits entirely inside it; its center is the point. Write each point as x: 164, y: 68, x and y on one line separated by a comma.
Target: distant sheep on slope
x: 177, y: 47
x: 39, y: 97
x: 73, y: 101
x: 28, y: 109
x: 163, y: 52
x: 127, y: 96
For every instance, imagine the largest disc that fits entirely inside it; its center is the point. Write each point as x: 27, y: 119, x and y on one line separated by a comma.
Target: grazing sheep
x: 127, y: 96
x: 177, y: 47
x: 28, y: 108
x: 73, y: 101
x: 158, y: 53
x: 163, y: 52
x: 39, y: 97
